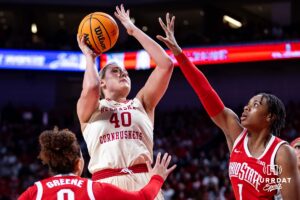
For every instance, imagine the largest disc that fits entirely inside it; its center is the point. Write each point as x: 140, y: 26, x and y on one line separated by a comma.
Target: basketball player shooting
x: 119, y: 131
x: 261, y: 164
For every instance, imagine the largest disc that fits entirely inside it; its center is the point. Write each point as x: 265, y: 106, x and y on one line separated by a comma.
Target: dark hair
x: 277, y: 110
x: 102, y: 76
x: 59, y: 150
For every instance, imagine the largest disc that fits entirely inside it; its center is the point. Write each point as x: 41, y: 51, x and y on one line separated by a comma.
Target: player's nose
x: 123, y: 73
x: 246, y: 108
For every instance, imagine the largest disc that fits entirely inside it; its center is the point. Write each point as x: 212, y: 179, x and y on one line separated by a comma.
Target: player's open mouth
x: 243, y: 117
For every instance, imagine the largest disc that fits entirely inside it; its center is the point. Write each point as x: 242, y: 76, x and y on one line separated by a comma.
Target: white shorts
x: 131, y: 182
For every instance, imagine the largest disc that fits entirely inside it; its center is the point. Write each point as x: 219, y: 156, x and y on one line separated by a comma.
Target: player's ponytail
x: 59, y: 150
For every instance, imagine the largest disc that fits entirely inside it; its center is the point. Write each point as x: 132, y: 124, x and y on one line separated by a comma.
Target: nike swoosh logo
x: 236, y: 151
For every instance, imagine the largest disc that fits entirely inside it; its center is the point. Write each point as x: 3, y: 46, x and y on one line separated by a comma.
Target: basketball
x: 100, y: 31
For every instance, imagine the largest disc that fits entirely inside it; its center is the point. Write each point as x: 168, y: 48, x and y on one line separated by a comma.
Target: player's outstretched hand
x: 124, y: 17
x: 161, y: 166
x: 84, y: 47
x: 169, y: 39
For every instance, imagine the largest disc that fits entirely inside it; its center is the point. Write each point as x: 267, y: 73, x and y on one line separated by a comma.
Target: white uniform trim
x: 275, y: 151
x: 39, y: 190
x: 238, y: 139
x: 265, y: 151
x: 90, y: 190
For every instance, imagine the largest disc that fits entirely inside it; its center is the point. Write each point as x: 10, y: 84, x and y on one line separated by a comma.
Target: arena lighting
x: 75, y: 61
x: 132, y: 20
x: 145, y: 28
x: 212, y: 55
x: 43, y: 60
x: 33, y: 28
x: 232, y: 22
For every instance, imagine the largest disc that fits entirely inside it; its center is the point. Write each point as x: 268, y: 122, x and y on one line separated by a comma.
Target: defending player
x: 61, y: 152
x: 296, y: 145
x: 119, y: 131
x: 260, y: 163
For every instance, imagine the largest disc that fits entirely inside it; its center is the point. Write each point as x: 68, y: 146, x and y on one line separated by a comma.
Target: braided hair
x: 277, y: 110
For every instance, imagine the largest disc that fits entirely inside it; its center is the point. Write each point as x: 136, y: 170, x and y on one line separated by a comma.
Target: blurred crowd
x: 198, y: 148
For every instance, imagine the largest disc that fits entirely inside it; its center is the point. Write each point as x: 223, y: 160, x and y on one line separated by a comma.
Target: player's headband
x: 295, y: 142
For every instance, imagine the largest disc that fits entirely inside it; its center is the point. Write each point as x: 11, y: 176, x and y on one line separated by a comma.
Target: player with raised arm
x: 261, y: 164
x: 119, y: 131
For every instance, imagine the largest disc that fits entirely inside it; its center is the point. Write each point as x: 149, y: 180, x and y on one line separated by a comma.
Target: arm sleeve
x: 207, y: 95
x: 108, y: 191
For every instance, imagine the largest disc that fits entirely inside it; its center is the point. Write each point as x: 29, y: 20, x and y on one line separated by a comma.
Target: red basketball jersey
x: 254, y: 178
x: 59, y: 187
x: 77, y: 188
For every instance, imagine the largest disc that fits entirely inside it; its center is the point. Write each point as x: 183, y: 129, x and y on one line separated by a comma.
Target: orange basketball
x: 100, y: 31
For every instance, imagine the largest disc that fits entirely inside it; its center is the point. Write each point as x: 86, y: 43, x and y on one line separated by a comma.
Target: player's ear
x: 102, y: 83
x: 270, y: 117
x: 79, y: 165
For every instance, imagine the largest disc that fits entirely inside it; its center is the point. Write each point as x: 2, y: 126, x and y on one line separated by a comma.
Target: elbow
x: 169, y: 63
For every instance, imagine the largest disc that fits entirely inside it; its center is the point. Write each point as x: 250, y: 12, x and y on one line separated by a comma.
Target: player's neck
x: 65, y: 174
x: 116, y: 97
x: 120, y: 100
x: 258, y: 142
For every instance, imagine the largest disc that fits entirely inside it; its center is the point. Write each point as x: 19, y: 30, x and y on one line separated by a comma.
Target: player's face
x: 256, y: 116
x: 297, y: 150
x: 116, y: 79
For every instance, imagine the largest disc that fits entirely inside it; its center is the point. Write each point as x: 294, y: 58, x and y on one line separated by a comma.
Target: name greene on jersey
x: 64, y: 181
x: 244, y: 172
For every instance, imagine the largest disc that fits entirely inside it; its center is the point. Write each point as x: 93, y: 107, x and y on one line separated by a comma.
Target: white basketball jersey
x: 118, y: 135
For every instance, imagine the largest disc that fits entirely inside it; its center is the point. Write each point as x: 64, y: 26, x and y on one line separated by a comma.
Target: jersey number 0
x: 65, y: 192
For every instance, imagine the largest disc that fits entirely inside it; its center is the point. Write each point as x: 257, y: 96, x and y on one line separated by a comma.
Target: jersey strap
x: 39, y: 190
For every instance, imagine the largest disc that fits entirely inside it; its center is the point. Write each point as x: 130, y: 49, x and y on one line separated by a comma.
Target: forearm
x: 91, y: 78
x: 207, y: 95
x: 151, y: 190
x: 156, y: 52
